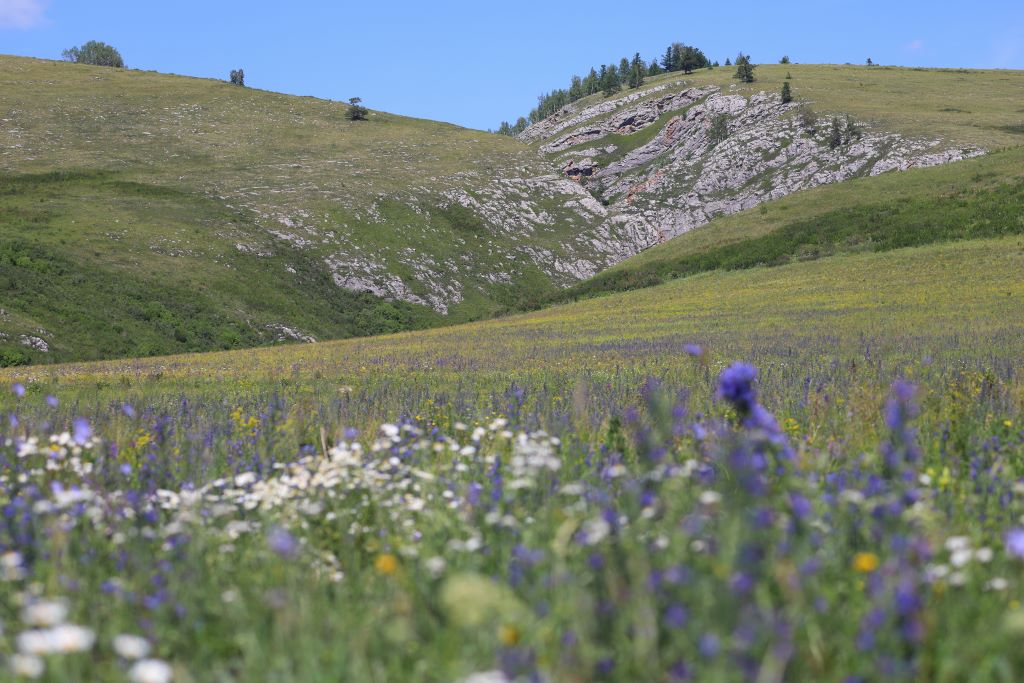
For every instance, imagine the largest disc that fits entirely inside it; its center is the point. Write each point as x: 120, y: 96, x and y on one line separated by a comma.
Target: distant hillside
x: 143, y: 213
x: 681, y: 153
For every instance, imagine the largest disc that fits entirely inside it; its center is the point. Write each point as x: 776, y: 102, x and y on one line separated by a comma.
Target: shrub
x: 94, y: 53
x: 238, y: 77
x: 355, y: 111
x: 719, y: 130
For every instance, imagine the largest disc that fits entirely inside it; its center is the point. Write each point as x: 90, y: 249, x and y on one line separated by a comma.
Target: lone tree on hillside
x: 355, y: 111
x: 95, y: 53
x: 744, y: 69
x: 238, y: 77
x: 787, y: 93
x: 870, y: 63
x: 784, y: 60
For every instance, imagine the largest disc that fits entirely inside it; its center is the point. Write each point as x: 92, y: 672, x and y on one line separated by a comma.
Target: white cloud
x: 22, y: 14
x: 915, y: 45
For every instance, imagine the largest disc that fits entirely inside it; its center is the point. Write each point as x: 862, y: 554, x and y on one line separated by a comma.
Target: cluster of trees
x: 610, y: 79
x: 238, y: 77
x: 94, y: 53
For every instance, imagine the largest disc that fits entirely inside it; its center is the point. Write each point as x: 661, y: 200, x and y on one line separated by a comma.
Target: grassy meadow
x: 589, y: 492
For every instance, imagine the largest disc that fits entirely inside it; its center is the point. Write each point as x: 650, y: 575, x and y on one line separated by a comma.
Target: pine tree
x: 787, y: 93
x: 870, y: 63
x: 636, y: 72
x: 784, y: 60
x: 666, y: 61
x: 590, y: 83
x: 677, y: 56
x: 576, y: 89
x: 624, y: 70
x: 654, y: 69
x: 835, y: 134
x: 238, y: 77
x: 744, y: 69
x: 727, y: 62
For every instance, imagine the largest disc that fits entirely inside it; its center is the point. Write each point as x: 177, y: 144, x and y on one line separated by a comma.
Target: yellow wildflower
x: 508, y: 635
x: 865, y: 563
x: 386, y: 564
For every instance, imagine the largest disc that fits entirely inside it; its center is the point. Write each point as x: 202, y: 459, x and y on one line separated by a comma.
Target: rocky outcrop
x: 689, y: 172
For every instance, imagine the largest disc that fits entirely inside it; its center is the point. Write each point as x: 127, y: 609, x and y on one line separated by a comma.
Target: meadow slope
x: 577, y: 494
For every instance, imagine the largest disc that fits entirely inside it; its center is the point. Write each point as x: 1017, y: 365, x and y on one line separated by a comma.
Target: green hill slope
x: 142, y: 213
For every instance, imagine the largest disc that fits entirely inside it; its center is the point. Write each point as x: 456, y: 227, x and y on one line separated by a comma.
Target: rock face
x: 688, y: 172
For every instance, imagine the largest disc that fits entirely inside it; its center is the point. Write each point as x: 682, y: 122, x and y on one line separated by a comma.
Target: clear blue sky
x: 476, y: 63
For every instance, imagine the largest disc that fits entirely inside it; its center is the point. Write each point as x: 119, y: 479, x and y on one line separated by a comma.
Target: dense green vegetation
x: 106, y: 301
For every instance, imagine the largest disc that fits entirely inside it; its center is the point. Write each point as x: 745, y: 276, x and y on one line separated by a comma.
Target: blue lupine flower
x: 1015, y: 542
x: 18, y: 389
x: 736, y: 385
x: 282, y: 542
x: 81, y: 431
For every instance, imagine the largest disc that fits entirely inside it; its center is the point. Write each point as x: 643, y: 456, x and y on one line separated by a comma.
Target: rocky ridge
x: 685, y: 175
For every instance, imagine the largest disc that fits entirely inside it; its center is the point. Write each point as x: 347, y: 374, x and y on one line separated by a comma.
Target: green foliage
x: 13, y: 357
x: 744, y: 69
x: 787, y: 93
x: 238, y: 77
x: 835, y: 133
x: 784, y: 60
x: 355, y: 111
x: 94, y: 53
x: 719, y: 130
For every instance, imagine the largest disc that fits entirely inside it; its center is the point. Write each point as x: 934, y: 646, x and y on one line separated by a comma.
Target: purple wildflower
x: 736, y: 385
x: 1015, y: 542
x: 693, y: 350
x: 282, y: 542
x: 81, y: 430
x: 18, y: 389
x: 52, y: 401
x: 128, y: 410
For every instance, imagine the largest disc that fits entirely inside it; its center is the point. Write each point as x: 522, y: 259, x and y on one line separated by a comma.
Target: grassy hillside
x: 218, y: 504
x: 189, y: 214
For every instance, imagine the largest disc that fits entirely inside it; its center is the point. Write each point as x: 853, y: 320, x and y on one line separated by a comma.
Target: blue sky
x: 476, y: 63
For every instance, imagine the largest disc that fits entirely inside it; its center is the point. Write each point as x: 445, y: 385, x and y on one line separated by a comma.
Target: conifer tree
x: 744, y: 69
x: 666, y: 61
x: 727, y: 62
x: 576, y: 89
x: 787, y: 93
x: 654, y: 69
